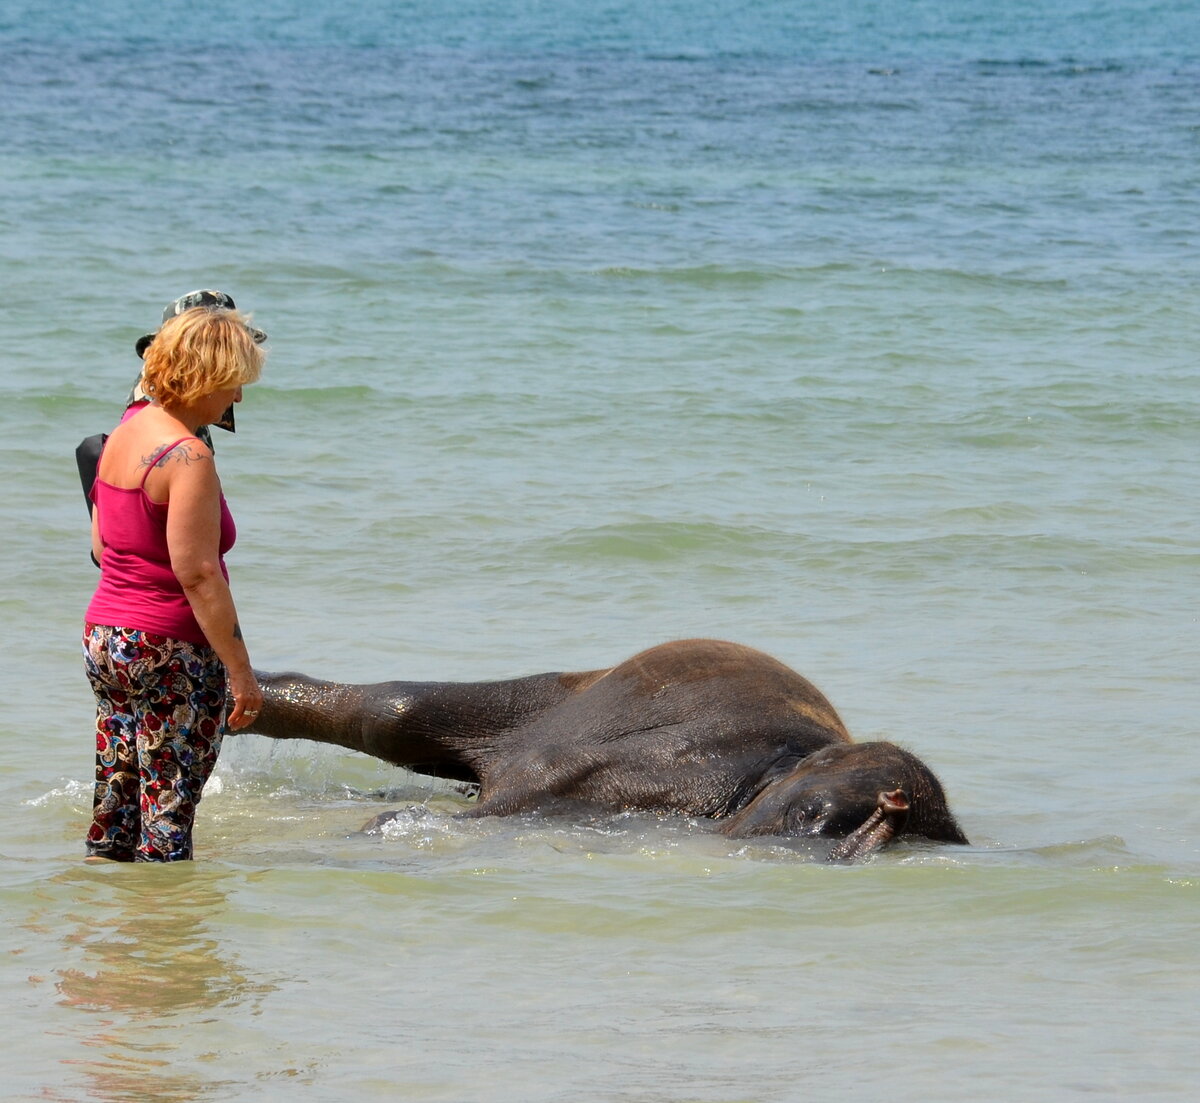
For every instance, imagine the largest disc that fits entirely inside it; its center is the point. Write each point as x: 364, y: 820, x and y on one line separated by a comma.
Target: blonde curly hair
x: 199, y: 352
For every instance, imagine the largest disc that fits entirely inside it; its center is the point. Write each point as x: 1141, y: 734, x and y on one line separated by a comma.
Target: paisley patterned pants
x: 160, y: 706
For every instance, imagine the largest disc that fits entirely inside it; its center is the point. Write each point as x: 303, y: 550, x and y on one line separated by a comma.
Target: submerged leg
x: 116, y: 822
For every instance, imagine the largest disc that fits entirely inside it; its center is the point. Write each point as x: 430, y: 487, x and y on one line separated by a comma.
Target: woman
x: 162, y: 646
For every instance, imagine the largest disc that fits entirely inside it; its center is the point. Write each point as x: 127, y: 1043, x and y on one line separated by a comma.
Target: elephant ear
x: 754, y: 784
x: 881, y: 826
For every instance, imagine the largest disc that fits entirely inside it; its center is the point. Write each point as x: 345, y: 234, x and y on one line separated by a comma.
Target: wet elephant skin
x: 695, y: 727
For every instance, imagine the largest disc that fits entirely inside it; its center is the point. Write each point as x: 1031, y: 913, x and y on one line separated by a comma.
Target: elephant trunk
x: 880, y: 827
x: 296, y: 707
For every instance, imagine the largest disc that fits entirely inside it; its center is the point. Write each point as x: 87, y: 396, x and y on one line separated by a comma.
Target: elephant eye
x: 807, y: 817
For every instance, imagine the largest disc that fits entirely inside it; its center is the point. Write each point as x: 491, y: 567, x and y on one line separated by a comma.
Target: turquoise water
x: 864, y: 334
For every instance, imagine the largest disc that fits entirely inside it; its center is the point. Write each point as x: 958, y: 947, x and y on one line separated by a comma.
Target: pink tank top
x: 137, y: 587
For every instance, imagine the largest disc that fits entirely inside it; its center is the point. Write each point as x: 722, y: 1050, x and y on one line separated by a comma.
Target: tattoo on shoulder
x: 237, y: 630
x: 187, y: 452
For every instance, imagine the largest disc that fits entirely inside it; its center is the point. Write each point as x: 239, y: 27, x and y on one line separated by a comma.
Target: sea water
x: 861, y: 333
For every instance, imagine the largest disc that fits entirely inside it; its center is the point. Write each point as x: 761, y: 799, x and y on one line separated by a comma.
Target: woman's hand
x: 247, y: 699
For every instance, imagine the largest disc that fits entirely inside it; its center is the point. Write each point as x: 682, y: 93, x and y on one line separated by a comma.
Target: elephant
x: 703, y: 728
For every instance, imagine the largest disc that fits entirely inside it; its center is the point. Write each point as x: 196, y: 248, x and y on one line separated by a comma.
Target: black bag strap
x: 87, y: 459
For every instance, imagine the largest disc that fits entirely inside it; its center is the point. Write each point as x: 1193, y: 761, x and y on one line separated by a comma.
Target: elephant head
x: 863, y: 794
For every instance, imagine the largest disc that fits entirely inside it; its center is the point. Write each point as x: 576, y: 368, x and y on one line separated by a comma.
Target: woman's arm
x: 193, y: 541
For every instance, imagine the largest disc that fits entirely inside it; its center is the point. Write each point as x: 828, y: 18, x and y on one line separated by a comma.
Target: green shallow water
x: 539, y: 959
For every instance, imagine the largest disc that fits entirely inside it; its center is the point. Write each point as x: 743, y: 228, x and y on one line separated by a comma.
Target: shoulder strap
x: 158, y: 457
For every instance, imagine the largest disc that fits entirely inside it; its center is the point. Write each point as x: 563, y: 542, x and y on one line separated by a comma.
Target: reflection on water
x: 148, y: 965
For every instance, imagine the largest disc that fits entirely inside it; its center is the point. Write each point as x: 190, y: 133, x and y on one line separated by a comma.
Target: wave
x: 716, y: 276
x: 1062, y: 66
x: 660, y: 541
x: 953, y: 548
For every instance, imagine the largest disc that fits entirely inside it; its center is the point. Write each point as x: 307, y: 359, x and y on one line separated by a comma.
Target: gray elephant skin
x: 700, y: 728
